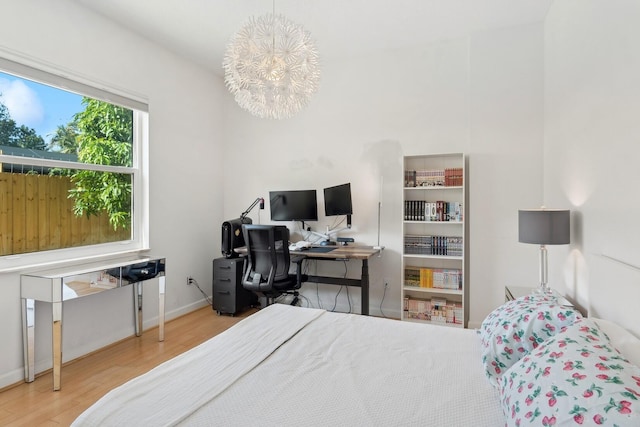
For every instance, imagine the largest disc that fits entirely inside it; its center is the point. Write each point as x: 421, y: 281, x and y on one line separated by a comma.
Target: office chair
x: 268, y: 261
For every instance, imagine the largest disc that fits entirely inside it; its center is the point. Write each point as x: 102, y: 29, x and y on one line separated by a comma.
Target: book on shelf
x: 458, y: 212
x: 438, y: 211
x: 433, y: 245
x: 437, y: 310
x: 438, y: 278
x: 453, y: 177
x: 409, y: 178
x: 449, y: 177
x: 429, y: 178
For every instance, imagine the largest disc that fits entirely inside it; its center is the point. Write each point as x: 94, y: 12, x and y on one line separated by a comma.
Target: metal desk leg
x: 28, y: 338
x: 161, y: 291
x: 365, y: 287
x: 56, y: 336
x: 137, y: 307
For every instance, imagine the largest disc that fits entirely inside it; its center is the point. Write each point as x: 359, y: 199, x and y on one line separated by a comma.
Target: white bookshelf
x: 434, y: 257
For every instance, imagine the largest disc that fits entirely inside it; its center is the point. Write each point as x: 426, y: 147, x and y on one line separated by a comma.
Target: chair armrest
x: 297, y: 259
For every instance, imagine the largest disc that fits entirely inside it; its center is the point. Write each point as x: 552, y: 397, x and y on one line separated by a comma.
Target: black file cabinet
x: 229, y: 297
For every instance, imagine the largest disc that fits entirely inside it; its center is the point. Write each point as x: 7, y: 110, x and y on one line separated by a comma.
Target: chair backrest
x: 267, y: 255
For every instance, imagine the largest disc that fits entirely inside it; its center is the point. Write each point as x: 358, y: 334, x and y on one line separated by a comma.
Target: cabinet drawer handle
x: 225, y: 267
x: 222, y: 279
x: 224, y: 292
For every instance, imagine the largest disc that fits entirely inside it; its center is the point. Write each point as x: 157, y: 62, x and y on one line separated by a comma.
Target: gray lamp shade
x: 543, y: 226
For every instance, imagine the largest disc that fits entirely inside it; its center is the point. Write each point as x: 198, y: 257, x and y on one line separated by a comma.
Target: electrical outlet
x: 386, y: 282
x: 189, y: 280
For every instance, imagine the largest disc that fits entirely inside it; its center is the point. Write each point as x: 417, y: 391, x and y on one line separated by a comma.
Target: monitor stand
x: 327, y: 234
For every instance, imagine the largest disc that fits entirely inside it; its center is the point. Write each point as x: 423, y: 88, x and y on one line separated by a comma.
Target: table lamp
x: 543, y: 227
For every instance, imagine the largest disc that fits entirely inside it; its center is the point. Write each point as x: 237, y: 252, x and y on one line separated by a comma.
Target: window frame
x: 71, y: 82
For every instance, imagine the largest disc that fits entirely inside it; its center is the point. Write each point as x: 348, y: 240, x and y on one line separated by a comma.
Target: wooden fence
x: 36, y: 214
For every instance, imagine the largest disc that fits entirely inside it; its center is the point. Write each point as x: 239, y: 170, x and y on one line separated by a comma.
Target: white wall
x: 480, y: 95
x: 505, y: 162
x: 592, y: 146
x: 185, y: 170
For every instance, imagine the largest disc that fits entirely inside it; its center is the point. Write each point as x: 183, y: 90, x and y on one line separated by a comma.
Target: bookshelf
x: 434, y: 257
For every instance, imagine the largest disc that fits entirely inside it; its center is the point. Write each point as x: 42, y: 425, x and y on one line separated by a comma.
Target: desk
x: 57, y: 285
x: 341, y: 253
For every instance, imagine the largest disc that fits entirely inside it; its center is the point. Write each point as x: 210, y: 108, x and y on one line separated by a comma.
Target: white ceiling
x: 200, y: 29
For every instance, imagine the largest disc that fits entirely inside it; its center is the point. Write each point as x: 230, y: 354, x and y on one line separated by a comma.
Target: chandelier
x: 272, y: 67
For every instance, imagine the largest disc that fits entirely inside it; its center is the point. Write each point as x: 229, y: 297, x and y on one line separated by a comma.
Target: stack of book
x: 439, y: 278
x: 436, y: 310
x: 433, y: 245
x: 449, y: 177
x: 453, y: 177
x: 422, y: 210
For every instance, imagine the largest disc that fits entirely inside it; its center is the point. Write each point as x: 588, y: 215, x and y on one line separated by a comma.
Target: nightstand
x: 513, y: 292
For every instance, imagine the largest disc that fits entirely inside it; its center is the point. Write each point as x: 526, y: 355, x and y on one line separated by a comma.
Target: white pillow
x: 625, y: 342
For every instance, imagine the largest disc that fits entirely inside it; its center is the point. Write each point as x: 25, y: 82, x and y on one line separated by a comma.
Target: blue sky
x: 38, y: 106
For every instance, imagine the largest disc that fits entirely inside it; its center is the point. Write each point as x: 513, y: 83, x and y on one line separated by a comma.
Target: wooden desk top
x: 350, y: 252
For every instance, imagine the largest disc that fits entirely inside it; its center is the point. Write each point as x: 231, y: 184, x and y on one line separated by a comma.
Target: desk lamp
x: 543, y: 227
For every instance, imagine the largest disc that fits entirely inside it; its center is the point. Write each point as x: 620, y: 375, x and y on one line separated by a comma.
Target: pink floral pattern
x: 514, y: 329
x: 574, y: 378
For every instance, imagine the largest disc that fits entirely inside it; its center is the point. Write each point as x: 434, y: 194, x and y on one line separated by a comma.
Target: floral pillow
x: 574, y: 378
x: 519, y: 326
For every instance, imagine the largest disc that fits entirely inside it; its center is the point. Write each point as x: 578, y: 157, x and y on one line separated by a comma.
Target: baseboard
x: 11, y: 378
x: 15, y: 376
x: 180, y: 311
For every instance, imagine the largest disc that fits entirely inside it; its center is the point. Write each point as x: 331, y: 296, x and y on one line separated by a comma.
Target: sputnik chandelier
x: 272, y: 67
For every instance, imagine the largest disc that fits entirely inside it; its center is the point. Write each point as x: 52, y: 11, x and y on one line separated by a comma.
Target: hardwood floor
x: 87, y: 379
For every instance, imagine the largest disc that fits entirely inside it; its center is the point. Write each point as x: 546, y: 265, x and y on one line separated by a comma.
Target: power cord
x: 307, y: 300
x: 193, y: 281
x: 335, y: 300
x: 383, y: 295
x: 318, y: 295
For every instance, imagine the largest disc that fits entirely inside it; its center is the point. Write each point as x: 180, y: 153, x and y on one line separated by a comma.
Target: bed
x: 301, y: 366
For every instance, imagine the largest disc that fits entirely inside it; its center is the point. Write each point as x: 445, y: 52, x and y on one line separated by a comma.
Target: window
x: 70, y: 169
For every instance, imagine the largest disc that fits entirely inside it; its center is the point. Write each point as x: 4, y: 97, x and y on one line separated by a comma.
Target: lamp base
x: 544, y: 289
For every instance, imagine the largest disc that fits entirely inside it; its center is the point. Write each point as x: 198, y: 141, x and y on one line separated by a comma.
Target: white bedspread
x: 293, y: 366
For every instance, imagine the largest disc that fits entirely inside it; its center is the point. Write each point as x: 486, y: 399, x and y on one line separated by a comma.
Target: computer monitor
x: 337, y: 201
x: 297, y: 205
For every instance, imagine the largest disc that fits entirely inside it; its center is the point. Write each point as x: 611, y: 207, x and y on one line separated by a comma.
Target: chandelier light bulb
x: 272, y: 67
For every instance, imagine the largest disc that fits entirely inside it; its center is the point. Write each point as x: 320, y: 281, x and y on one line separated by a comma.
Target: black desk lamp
x: 544, y: 227
x: 232, y: 230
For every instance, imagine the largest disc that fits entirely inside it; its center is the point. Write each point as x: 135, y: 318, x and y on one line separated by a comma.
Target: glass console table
x: 56, y: 285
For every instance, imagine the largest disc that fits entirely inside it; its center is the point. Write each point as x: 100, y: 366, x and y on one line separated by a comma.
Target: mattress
x: 307, y: 367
